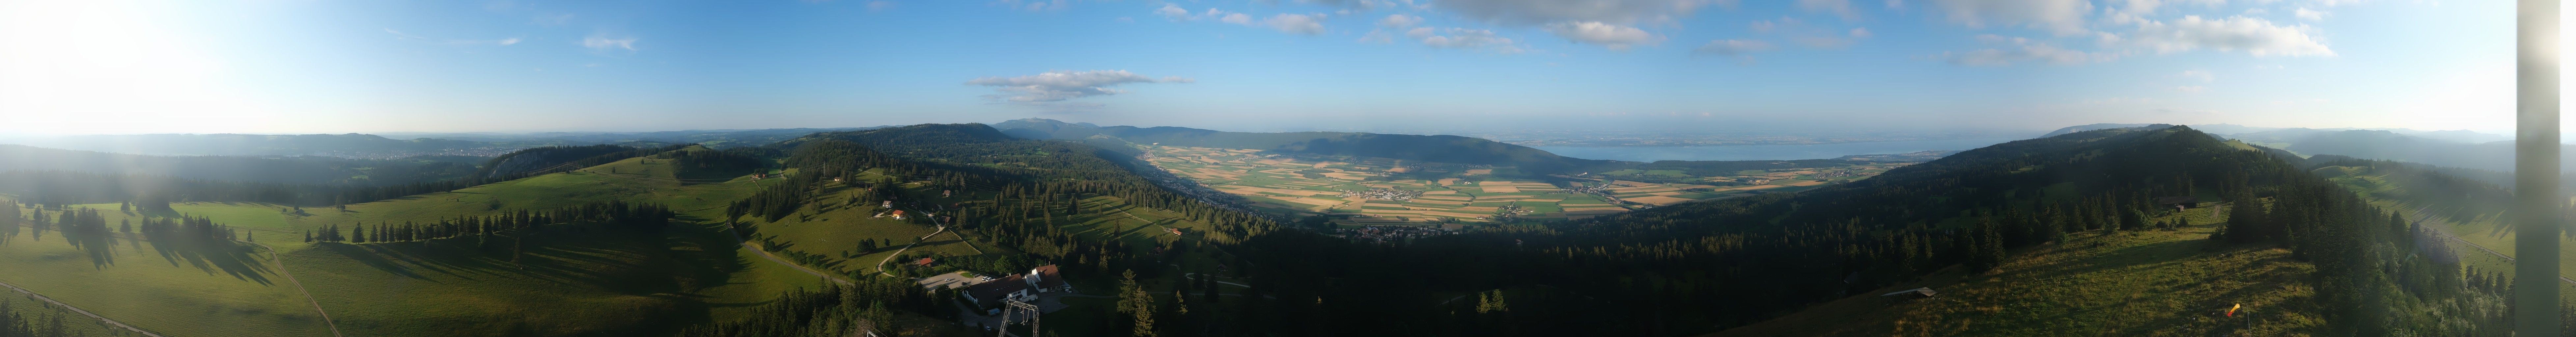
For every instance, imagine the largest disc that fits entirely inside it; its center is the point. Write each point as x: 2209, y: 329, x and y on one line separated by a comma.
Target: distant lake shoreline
x: 1767, y: 152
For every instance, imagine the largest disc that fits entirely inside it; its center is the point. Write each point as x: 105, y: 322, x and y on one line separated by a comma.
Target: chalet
x: 1018, y: 287
x: 1175, y: 231
x: 886, y: 204
x: 898, y: 214
x: 946, y: 193
x: 925, y: 262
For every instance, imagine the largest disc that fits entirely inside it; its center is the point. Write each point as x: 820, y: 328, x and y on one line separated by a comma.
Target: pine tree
x: 1134, y: 301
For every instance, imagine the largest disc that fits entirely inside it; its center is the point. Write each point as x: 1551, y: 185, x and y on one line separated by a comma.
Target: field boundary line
x: 299, y: 288
x: 78, y: 310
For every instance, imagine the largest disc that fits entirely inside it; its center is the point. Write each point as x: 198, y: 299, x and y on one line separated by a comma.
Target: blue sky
x: 308, y: 66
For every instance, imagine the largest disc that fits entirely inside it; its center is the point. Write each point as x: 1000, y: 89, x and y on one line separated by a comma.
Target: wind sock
x: 2231, y: 311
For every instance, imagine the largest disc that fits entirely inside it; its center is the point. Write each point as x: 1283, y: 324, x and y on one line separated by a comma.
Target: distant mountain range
x: 711, y: 138
x: 403, y: 144
x: 2449, y: 148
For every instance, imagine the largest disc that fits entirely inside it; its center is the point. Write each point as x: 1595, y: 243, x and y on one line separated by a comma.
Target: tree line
x: 641, y: 217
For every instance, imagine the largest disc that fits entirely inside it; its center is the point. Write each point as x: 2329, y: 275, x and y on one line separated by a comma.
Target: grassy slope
x: 177, y: 295
x: 412, y: 289
x: 2153, y: 283
x: 2388, y: 192
x: 41, y: 314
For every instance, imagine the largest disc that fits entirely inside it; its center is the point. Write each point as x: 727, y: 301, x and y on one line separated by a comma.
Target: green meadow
x: 570, y: 281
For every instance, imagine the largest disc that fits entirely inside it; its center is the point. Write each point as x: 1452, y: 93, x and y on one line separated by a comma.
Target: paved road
x: 899, y: 252
x: 78, y: 310
x: 299, y: 288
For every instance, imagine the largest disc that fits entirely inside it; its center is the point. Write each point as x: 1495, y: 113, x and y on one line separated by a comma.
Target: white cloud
x: 2256, y: 12
x: 1841, y: 8
x: 2025, y: 52
x: 1307, y: 24
x: 1235, y: 18
x: 1732, y: 47
x: 1535, y: 12
x: 2061, y: 17
x: 1762, y: 25
x: 1056, y: 86
x: 2202, y: 75
x: 2190, y: 88
x: 1399, y: 21
x: 1860, y: 32
x: 2309, y: 14
x: 1462, y: 38
x: 2250, y: 35
x: 603, y: 43
x: 880, y: 6
x: 1611, y: 36
x: 1174, y: 12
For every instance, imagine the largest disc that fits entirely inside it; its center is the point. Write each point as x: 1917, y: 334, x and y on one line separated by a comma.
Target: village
x: 1389, y: 234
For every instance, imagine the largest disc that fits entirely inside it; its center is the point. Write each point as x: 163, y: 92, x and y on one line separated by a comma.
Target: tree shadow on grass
x: 369, y: 258
x: 211, y: 256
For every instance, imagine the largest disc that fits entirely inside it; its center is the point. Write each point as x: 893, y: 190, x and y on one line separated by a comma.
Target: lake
x: 1767, y: 152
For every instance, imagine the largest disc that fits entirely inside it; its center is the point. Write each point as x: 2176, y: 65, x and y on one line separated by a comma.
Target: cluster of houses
x: 1385, y: 194
x: 1385, y: 234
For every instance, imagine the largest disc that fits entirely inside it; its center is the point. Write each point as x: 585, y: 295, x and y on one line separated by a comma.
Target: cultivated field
x: 1382, y: 191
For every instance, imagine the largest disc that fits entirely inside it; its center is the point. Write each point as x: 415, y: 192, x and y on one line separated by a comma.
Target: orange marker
x: 2231, y: 312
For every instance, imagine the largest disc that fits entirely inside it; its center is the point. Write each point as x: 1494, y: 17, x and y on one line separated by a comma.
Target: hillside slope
x: 568, y: 279
x: 1695, y: 268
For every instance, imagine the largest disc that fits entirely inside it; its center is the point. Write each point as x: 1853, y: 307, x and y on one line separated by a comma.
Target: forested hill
x: 1440, y: 148
x: 2091, y: 127
x: 974, y: 158
x: 1698, y: 267
x: 289, y: 170
x: 241, y: 144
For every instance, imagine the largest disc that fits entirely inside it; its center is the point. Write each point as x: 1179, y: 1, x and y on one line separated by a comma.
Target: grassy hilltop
x: 571, y: 283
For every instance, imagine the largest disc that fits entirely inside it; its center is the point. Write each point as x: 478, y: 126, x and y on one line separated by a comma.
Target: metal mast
x: 2535, y: 170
